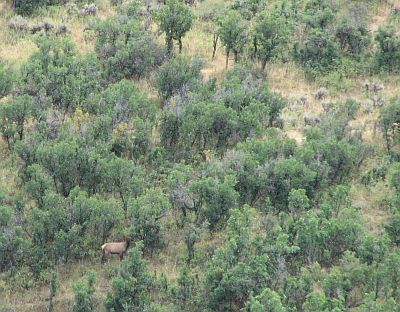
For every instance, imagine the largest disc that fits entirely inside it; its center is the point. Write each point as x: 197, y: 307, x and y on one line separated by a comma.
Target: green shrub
x: 6, y: 80
x: 352, y: 38
x: 388, y: 55
x: 319, y: 53
x: 84, y: 291
x: 177, y: 73
x: 126, y: 49
x: 27, y: 7
x: 130, y: 290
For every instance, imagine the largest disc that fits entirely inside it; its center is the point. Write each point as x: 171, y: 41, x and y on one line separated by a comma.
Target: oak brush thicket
x: 234, y: 193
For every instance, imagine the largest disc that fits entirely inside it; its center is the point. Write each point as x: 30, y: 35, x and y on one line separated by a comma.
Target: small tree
x: 38, y: 182
x: 125, y: 48
x: 389, y: 121
x: 319, y: 52
x: 84, y: 290
x: 298, y: 201
x: 175, y: 20
x: 270, y: 35
x: 6, y: 80
x: 184, y: 289
x: 233, y: 31
x: 267, y: 301
x: 388, y: 56
x: 147, y: 212
x: 352, y: 38
x: 130, y: 289
x: 315, y: 302
x: 177, y: 73
x: 13, y: 116
x: 27, y: 7
x: 54, y: 284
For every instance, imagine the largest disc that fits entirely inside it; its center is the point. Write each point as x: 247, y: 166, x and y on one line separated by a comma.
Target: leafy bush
x: 6, y: 80
x: 388, y: 55
x: 233, y: 32
x: 147, y: 213
x: 271, y: 34
x: 27, y: 7
x: 126, y: 49
x: 130, y: 289
x: 84, y: 290
x: 389, y: 121
x: 175, y: 20
x: 319, y: 13
x: 177, y: 73
x: 352, y: 38
x: 319, y: 53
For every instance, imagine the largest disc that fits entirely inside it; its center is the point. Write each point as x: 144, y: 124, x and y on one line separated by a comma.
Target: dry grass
x: 36, y: 300
x: 372, y: 202
x: 198, y: 42
x: 16, y: 47
x: 382, y: 15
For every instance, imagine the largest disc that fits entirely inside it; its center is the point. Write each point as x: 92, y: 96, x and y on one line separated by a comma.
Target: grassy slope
x: 286, y: 79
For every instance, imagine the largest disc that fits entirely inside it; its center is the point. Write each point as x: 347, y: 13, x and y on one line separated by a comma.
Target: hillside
x: 245, y: 154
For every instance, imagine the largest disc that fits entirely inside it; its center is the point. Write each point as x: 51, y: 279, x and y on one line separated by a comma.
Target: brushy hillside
x: 247, y: 150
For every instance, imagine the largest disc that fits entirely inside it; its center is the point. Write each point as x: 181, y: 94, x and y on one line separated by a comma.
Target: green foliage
x: 392, y: 228
x: 297, y: 288
x: 11, y: 239
x: 56, y: 76
x: 240, y: 109
x: 298, y: 201
x: 147, y: 212
x: 319, y: 53
x: 5, y: 215
x: 27, y: 7
x: 326, y: 239
x: 177, y: 73
x: 392, y: 275
x: 54, y: 285
x: 248, y: 8
x: 315, y: 302
x: 125, y: 48
x: 64, y: 229
x: 319, y: 13
x: 184, y: 290
x: 13, y: 117
x: 244, y: 91
x: 38, y: 182
x: 213, y: 198
x: 207, y: 176
x: 267, y: 301
x: 237, y: 269
x: 389, y: 121
x: 130, y: 289
x: 122, y: 178
x: 84, y: 290
x: 271, y: 33
x: 389, y: 305
x: 394, y: 176
x: 233, y: 31
x: 388, y: 56
x: 6, y: 80
x: 175, y: 19
x: 130, y: 117
x: 353, y: 39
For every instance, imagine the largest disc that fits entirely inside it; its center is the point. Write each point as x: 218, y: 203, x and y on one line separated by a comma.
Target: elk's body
x: 114, y: 248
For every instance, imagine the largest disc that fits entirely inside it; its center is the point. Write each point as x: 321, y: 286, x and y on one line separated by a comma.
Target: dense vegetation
x: 132, y: 141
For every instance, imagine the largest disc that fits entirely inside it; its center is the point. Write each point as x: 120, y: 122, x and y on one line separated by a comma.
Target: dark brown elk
x: 115, y: 248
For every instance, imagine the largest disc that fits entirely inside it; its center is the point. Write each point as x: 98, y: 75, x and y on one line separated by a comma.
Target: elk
x: 115, y: 248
